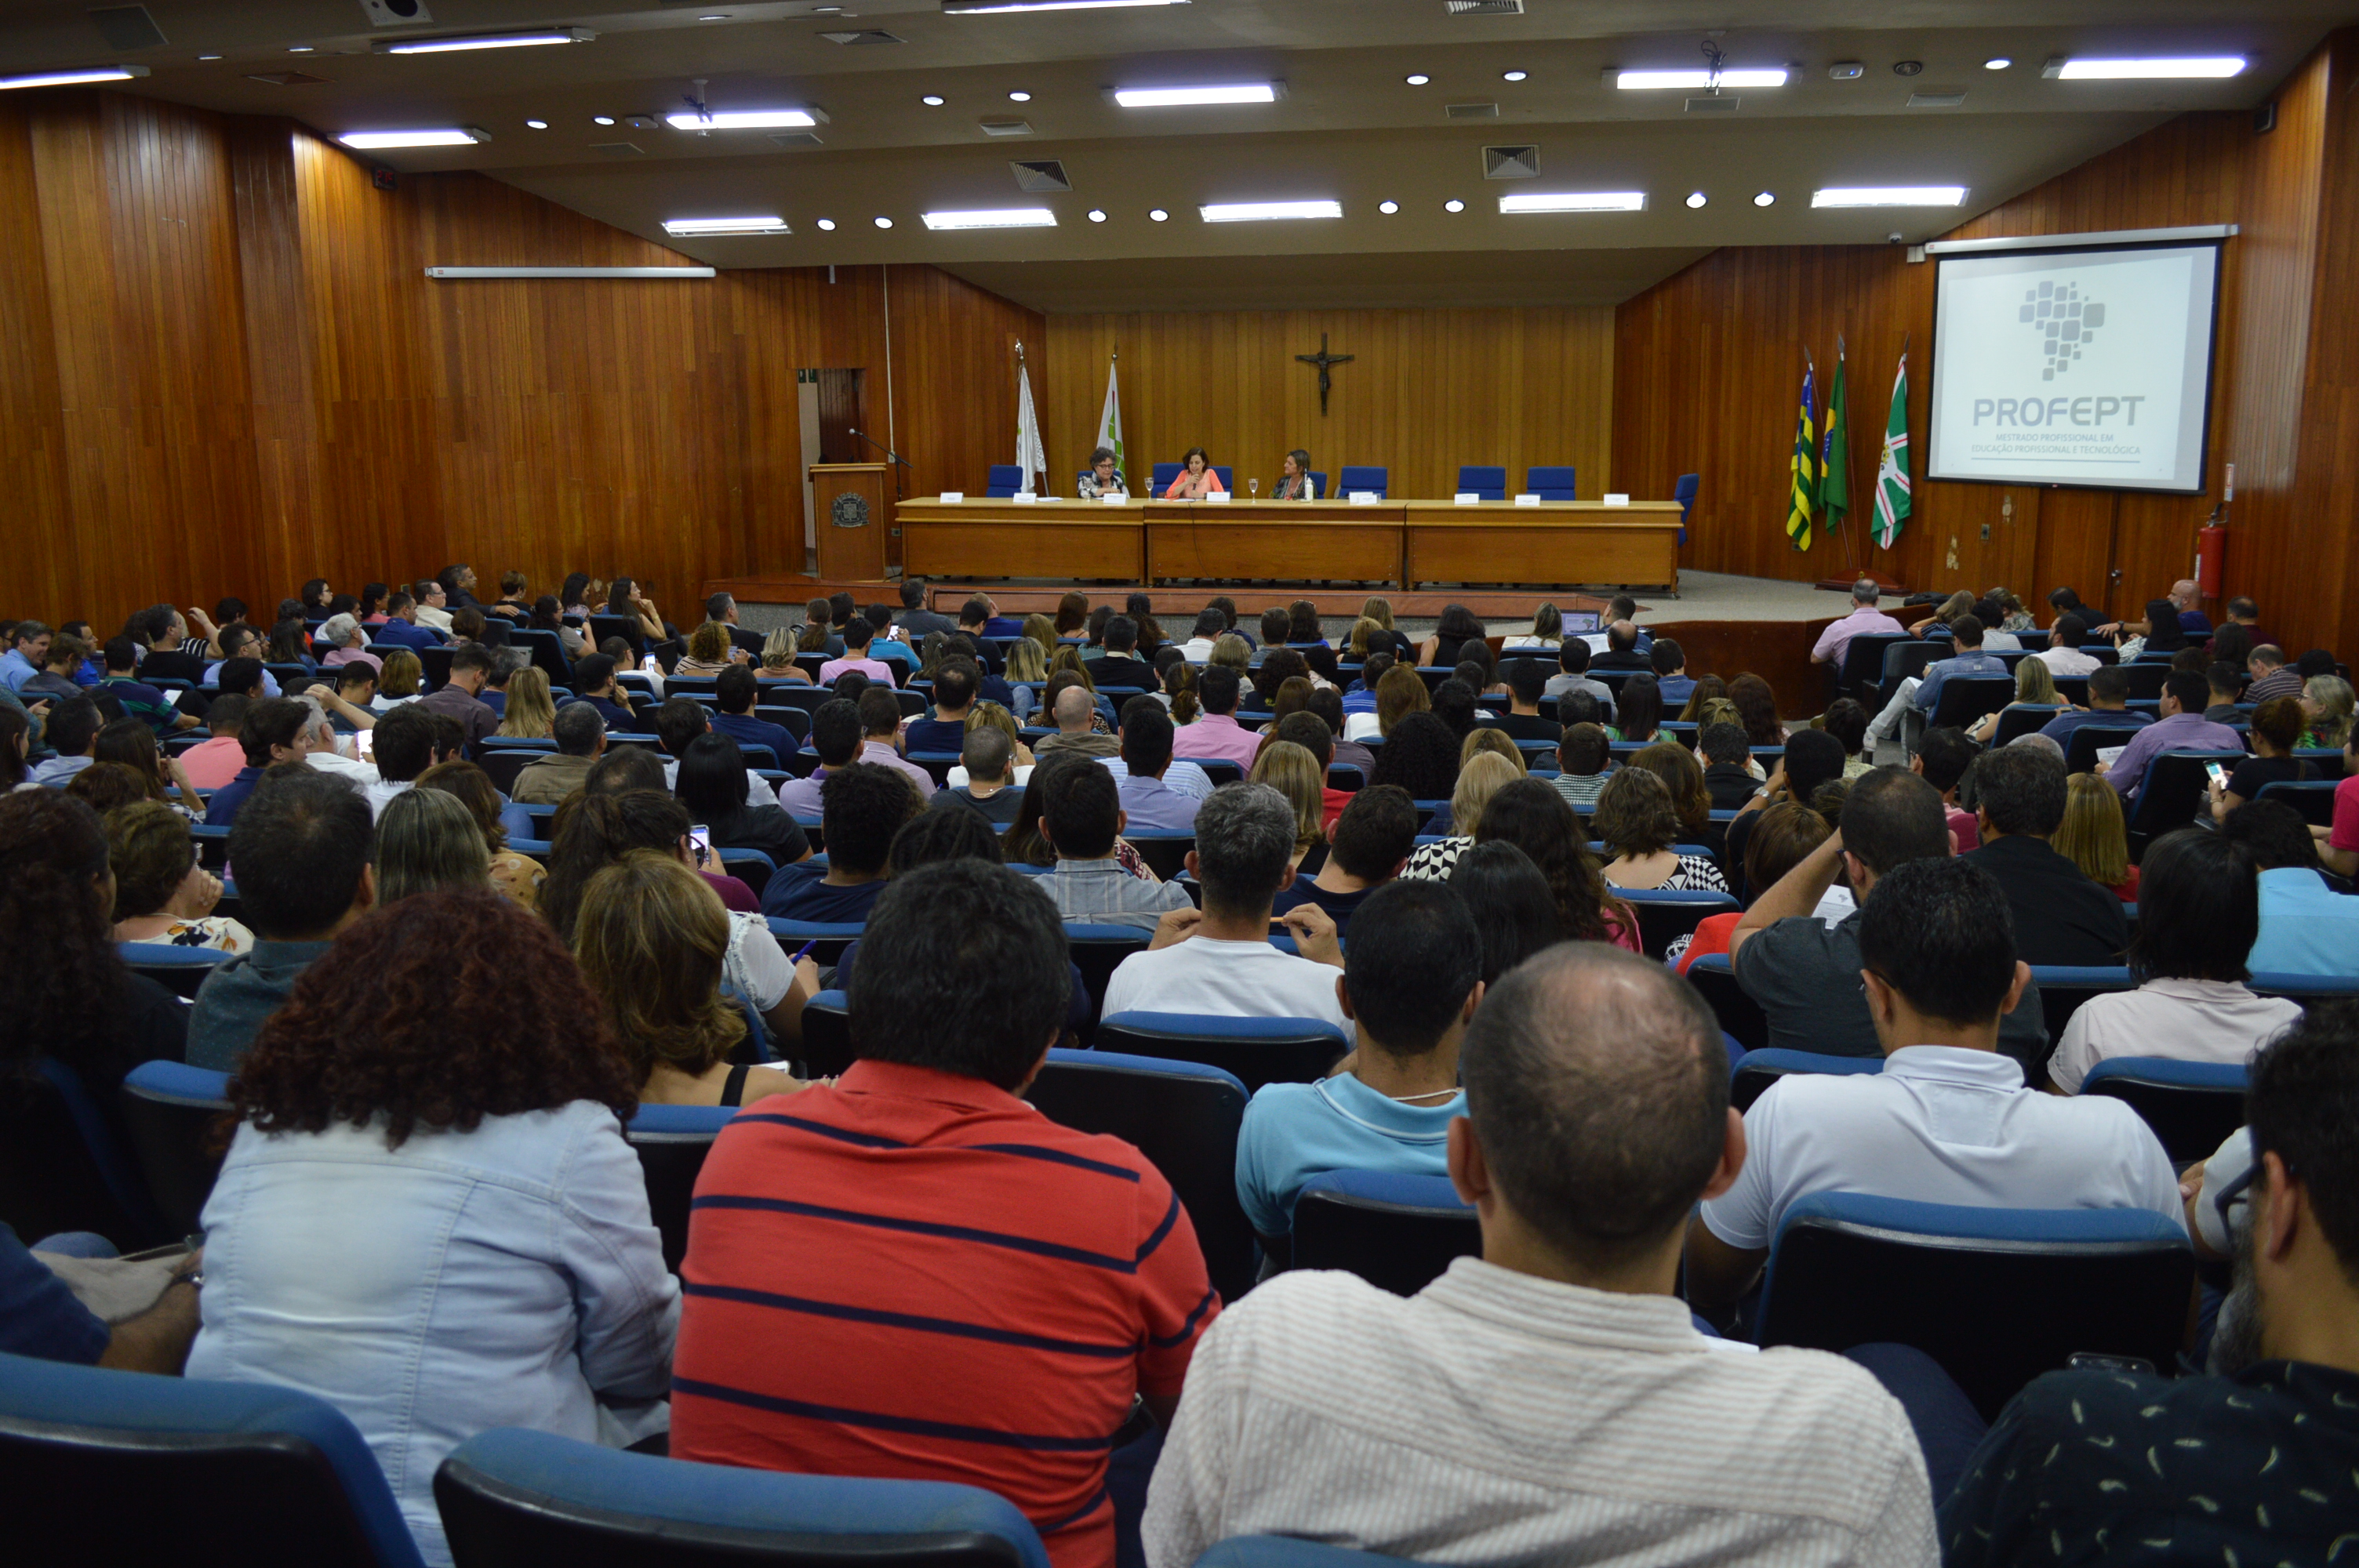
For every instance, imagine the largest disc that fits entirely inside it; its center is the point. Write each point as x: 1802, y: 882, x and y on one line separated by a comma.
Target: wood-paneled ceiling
x: 1347, y: 126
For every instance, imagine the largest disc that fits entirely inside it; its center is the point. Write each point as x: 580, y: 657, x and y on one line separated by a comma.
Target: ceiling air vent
x: 1484, y: 7
x: 1472, y: 110
x: 1005, y: 127
x: 1511, y: 163
x: 618, y: 149
x: 795, y: 138
x: 1040, y: 174
x: 1715, y: 103
x: 866, y: 35
x: 1936, y: 100
x: 288, y: 79
x: 127, y: 27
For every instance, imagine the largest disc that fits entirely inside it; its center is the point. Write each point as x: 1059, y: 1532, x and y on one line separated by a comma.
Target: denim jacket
x: 504, y: 1277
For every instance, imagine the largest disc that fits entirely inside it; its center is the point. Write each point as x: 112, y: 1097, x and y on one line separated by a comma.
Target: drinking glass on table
x: 1252, y: 489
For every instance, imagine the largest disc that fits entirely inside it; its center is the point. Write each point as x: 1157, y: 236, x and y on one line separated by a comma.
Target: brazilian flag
x: 1804, y: 503
x: 1834, y: 458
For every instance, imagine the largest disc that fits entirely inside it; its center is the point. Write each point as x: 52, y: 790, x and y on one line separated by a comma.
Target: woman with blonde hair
x: 1378, y: 609
x: 778, y: 658
x: 1027, y: 659
x: 1957, y: 604
x: 428, y: 842
x: 1484, y: 775
x: 1401, y: 692
x: 2035, y: 686
x: 531, y: 712
x: 1366, y: 631
x: 402, y: 681
x: 2327, y: 701
x: 1547, y: 633
x: 516, y: 875
x: 652, y: 939
x: 1068, y: 660
x: 1233, y: 651
x: 709, y: 652
x: 1042, y: 633
x: 2094, y: 836
x: 1294, y: 772
x: 993, y: 715
x: 1480, y: 739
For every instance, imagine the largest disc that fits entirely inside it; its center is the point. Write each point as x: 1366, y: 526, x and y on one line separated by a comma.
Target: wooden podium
x: 855, y: 517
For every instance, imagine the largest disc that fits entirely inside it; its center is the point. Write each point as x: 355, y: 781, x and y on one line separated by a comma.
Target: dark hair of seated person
x: 1277, y: 666
x: 2302, y: 1105
x: 735, y: 688
x: 1081, y: 812
x: 2021, y: 789
x: 591, y: 831
x: 1812, y: 757
x: 880, y: 711
x: 63, y: 990
x: 1585, y: 749
x: 1891, y: 818
x: 300, y: 846
x: 273, y: 721
x: 679, y: 720
x: 1420, y: 756
x: 1527, y: 680
x: 620, y: 769
x: 861, y: 808
x: 1725, y: 743
x: 2274, y: 832
x: 1415, y: 955
x: 2198, y: 909
x: 1454, y: 706
x: 1377, y: 832
x: 102, y: 786
x: 1634, y: 815
x: 1639, y: 707
x: 366, y: 1032
x: 711, y: 782
x: 1217, y: 687
x: 1937, y: 931
x: 963, y: 969
x: 1847, y: 721
x: 835, y: 732
x: 592, y: 672
x: 1022, y: 844
x: 1147, y: 736
x: 1598, y: 1088
x: 1529, y: 813
x: 1511, y: 902
x: 1943, y: 756
x: 935, y: 835
x: 955, y: 685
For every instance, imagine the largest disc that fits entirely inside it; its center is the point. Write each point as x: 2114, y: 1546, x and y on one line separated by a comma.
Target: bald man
x: 1072, y: 708
x: 1552, y: 1399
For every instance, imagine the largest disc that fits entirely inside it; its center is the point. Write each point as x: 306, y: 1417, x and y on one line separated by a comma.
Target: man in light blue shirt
x: 1411, y: 981
x: 1151, y: 805
x: 1970, y: 660
x: 2307, y: 928
x: 28, y: 649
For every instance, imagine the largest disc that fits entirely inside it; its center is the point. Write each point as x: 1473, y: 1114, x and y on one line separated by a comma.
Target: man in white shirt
x: 1949, y: 1119
x: 431, y: 601
x: 1552, y: 1401
x: 2063, y: 656
x: 1217, y: 960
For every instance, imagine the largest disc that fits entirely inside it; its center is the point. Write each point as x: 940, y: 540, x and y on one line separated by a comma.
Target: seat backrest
x: 1286, y: 1551
x: 1365, y: 476
x: 1258, y: 1051
x: 1221, y: 773
x: 1664, y: 915
x: 2314, y: 798
x: 1906, y: 656
x: 62, y: 1169
x: 827, y: 1035
x: 672, y: 1142
x: 1959, y: 1283
x: 1491, y: 483
x: 2062, y: 989
x: 1228, y: 476
x: 1183, y: 1116
x: 1164, y: 474
x: 1684, y: 492
x: 2146, y: 679
x: 511, y: 1495
x: 1863, y: 658
x: 505, y: 763
x: 169, y: 1111
x: 1740, y: 1016
x: 1396, y: 1231
x: 1965, y: 699
x: 250, y: 1473
x: 1752, y: 1077
x: 1099, y: 950
x: 1550, y: 483
x: 833, y: 938
x: 2017, y: 720
x: 2087, y: 740
x: 1318, y: 485
x: 179, y: 970
x: 1165, y: 852
x: 2191, y: 1105
x: 2174, y: 790
x: 626, y: 627
x: 548, y: 654
x: 1006, y: 479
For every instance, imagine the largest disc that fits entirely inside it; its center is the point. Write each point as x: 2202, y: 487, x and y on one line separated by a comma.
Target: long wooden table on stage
x: 1080, y: 539
x: 1556, y: 541
x: 1278, y: 541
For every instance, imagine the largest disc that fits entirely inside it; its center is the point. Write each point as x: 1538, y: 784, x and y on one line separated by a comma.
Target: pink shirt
x: 1829, y: 648
x: 212, y: 763
x: 1220, y: 737
x: 1211, y: 482
x: 877, y: 670
x: 881, y: 753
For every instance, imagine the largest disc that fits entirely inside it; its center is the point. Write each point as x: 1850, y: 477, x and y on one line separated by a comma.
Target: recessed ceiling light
x: 884, y: 222
x: 993, y: 218
x: 1645, y: 81
x: 602, y: 119
x: 532, y: 39
x: 73, y: 78
x: 1157, y: 214
x: 1453, y: 205
x: 1889, y: 196
x: 1097, y: 215
x: 1170, y: 97
x: 1575, y: 201
x: 2140, y: 70
x: 1997, y: 62
x: 1264, y: 212
x: 931, y: 100
x: 536, y: 125
x: 827, y: 224
x: 1766, y: 198
x: 1387, y: 208
x: 825, y: 10
x: 455, y: 137
x: 1697, y: 199
x: 1020, y: 97
x: 741, y: 120
x: 771, y: 225
x: 1512, y: 75
x: 1416, y: 79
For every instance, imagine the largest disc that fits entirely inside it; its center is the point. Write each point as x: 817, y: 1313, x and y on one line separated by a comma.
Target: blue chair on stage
x: 1550, y: 483
x: 1006, y: 479
x: 1684, y: 492
x: 1318, y: 485
x: 1164, y: 474
x: 1489, y: 483
x: 1364, y: 478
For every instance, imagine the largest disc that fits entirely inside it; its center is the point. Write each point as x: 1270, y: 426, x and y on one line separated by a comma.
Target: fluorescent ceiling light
x: 992, y: 7
x: 1642, y: 81
x: 1416, y: 79
x: 1766, y: 198
x: 1097, y: 215
x: 993, y: 218
x: 1889, y: 196
x: 772, y: 225
x: 74, y: 78
x: 489, y: 41
x: 536, y: 125
x: 2137, y: 69
x: 1166, y: 97
x: 741, y: 120
x: 1261, y: 211
x: 1575, y: 201
x: 370, y: 140
x: 1453, y: 205
x: 931, y: 100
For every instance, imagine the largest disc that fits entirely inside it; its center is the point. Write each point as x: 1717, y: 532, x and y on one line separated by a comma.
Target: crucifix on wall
x: 1322, y: 359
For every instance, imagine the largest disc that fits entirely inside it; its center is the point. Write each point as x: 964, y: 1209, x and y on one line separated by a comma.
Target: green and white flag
x: 1892, y: 468
x: 1110, y: 422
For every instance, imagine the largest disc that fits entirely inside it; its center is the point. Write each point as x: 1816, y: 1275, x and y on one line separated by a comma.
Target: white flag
x: 1029, y: 455
x: 1110, y: 422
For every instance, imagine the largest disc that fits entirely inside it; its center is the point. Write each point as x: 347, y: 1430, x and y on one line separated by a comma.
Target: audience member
x: 276, y: 730
x: 1782, y: 837
x: 1072, y: 708
x: 580, y: 732
x: 1572, y: 676
x: 1420, y: 753
x: 1484, y: 775
x: 857, y: 635
x: 516, y: 875
x: 713, y: 785
x: 2272, y: 676
x: 1369, y: 842
x: 1513, y: 906
x: 880, y: 729
x: 1080, y: 818
x: 2183, y: 727
x: 1942, y: 757
x: 1865, y: 617
x: 2306, y: 928
x: 1638, y: 708
x: 1640, y: 831
x: 1535, y: 818
x: 2060, y: 916
x: 957, y: 683
x: 1527, y: 683
x: 2276, y: 726
x: 2063, y: 656
x: 1729, y: 776
x: 861, y: 808
x: 1119, y: 665
x: 1582, y: 758
x: 835, y: 737
x: 427, y: 842
x: 1293, y: 773
x: 1216, y: 736
x: 1597, y: 1102
x: 988, y: 759
x: 161, y: 895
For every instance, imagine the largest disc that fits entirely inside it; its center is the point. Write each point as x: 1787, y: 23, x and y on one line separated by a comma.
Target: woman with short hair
x: 2276, y: 731
x: 709, y: 652
x: 1195, y: 478
x: 713, y: 785
x: 403, y: 680
x: 1102, y: 477
x: 517, y: 875
x: 1294, y: 481
x: 428, y: 841
x: 161, y: 895
x: 1635, y: 821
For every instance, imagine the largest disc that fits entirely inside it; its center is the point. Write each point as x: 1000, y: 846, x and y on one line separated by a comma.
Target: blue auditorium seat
x: 178, y: 969
x: 1759, y: 1069
x: 1489, y: 483
x: 1666, y: 915
x: 1394, y: 1230
x: 2191, y: 1105
x: 169, y: 1111
x: 1684, y: 492
x: 1005, y: 480
x: 1318, y: 485
x: 1550, y: 483
x: 1364, y: 477
x: 671, y: 1142
x: 1286, y: 1551
x: 1256, y: 1050
x: 1164, y: 474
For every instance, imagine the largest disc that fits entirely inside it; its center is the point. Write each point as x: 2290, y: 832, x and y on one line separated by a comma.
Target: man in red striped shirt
x: 913, y: 1274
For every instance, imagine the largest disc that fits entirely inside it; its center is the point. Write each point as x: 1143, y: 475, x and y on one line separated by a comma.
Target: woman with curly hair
x: 1530, y: 814
x: 64, y: 993
x: 1278, y: 665
x: 1683, y: 776
x: 439, y: 1230
x: 1454, y: 705
x: 161, y: 895
x: 518, y: 876
x: 1636, y: 822
x: 709, y: 652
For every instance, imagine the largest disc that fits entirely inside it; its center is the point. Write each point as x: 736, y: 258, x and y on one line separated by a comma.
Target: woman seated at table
x: 1295, y: 484
x: 1195, y: 478
x: 1103, y: 477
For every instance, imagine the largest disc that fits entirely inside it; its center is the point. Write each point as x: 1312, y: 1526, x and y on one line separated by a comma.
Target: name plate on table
x: 952, y: 497
x: 1113, y: 498
x: 1615, y: 500
x: 1527, y: 499
x: 1023, y: 498
x: 1365, y: 498
x: 1468, y: 498
x: 1218, y: 498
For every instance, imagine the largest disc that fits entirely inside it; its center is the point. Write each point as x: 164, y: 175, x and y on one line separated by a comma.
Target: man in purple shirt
x: 1216, y: 735
x: 1865, y: 617
x: 471, y: 671
x: 880, y: 725
x: 857, y: 633
x: 835, y: 736
x: 1151, y: 805
x: 2181, y: 728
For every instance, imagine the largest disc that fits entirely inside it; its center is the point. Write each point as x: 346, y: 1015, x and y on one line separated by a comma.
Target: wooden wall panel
x: 954, y: 378
x: 1427, y: 391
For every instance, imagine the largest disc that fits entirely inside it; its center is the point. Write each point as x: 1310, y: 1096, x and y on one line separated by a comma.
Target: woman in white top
x: 1640, y: 828
x: 441, y: 1230
x: 2198, y: 914
x: 1548, y: 631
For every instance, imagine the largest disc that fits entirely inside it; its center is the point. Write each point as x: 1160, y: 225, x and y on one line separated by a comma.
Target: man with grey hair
x: 1218, y: 960
x: 346, y: 640
x: 1552, y: 1399
x: 326, y: 755
x: 1864, y: 617
x: 1074, y: 707
x: 580, y: 734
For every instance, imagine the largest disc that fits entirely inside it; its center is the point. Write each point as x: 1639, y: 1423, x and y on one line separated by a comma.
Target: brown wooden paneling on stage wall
x: 1426, y: 391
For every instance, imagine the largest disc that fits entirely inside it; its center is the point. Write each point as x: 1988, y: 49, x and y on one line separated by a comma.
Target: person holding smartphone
x: 2277, y: 729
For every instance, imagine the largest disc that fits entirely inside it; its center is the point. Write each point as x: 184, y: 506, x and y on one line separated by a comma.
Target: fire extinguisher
x: 2211, y: 547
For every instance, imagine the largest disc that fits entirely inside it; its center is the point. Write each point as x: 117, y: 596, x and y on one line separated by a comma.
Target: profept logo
x: 2066, y: 323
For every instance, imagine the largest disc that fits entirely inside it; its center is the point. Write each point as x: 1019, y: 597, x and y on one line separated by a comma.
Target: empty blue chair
x: 1489, y: 483
x: 1665, y: 915
x: 1684, y: 492
x: 169, y: 1110
x: 1550, y: 483
x: 671, y: 1142
x: 1752, y: 1077
x: 62, y: 1168
x: 1849, y: 1269
x: 104, y: 1467
x: 511, y: 1497
x: 2191, y: 1105
x: 1364, y: 477
x: 1005, y: 480
x: 1256, y: 1050
x: 1164, y: 474
x: 752, y: 866
x: 1228, y: 476
x: 1396, y: 1231
x: 2314, y: 798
